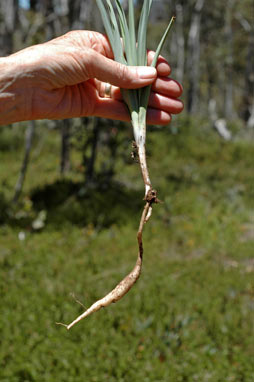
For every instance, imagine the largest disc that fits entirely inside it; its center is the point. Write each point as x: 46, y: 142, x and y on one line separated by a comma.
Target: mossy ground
x: 190, y: 317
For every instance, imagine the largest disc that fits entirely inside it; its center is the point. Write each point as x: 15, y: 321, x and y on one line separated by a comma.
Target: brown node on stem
x: 151, y: 197
x: 134, y: 153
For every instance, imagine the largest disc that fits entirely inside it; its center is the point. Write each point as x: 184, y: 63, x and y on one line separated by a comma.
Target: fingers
x: 96, y: 57
x: 113, y: 109
x: 128, y: 77
x: 158, y: 117
x: 162, y: 66
x: 167, y: 86
x: 163, y: 85
x: 165, y: 92
x: 169, y: 105
x: 100, y: 43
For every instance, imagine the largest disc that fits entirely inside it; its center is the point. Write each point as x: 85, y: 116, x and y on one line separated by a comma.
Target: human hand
x: 66, y: 77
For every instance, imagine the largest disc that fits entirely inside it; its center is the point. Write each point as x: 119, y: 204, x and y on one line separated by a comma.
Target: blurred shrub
x: 99, y: 203
x: 3, y: 208
x: 11, y: 138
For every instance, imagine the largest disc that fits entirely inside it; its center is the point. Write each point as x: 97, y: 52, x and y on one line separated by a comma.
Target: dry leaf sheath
x: 130, y: 51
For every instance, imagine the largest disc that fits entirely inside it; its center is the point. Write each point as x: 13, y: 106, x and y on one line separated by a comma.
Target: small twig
x: 60, y: 323
x: 76, y: 300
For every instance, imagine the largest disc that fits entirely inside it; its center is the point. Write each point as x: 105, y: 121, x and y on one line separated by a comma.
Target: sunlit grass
x: 190, y: 316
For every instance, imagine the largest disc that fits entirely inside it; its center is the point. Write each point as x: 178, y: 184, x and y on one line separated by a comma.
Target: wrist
x: 14, y: 94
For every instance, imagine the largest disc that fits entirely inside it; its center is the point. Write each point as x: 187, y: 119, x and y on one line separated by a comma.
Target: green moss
x: 190, y: 316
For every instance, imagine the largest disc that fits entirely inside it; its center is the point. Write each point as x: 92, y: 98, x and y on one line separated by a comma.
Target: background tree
x: 211, y: 52
x: 8, y: 24
x: 193, y: 57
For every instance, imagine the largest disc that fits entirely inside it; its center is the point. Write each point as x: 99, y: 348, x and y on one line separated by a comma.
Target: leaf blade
x: 132, y: 32
x: 112, y: 30
x: 117, y: 48
x: 142, y: 33
x: 162, y: 41
x: 125, y: 33
x: 106, y: 21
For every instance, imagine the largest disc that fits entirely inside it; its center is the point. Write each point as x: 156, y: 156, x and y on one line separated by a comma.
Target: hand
x: 66, y: 77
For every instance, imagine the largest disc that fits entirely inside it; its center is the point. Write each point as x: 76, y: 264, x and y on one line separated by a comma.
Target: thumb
x: 128, y: 77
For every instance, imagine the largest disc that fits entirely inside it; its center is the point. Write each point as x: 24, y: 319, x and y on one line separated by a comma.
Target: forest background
x: 70, y: 200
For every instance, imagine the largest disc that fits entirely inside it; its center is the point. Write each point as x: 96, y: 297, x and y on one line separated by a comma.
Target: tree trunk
x: 82, y: 14
x: 180, y: 43
x: 193, y: 58
x: 74, y: 14
x: 65, y: 148
x: 28, y: 145
x: 228, y: 106
x: 87, y: 11
x: 248, y: 98
x: 8, y: 24
x: 93, y: 141
x: 219, y: 124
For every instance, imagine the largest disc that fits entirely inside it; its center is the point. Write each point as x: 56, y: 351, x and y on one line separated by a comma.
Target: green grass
x: 189, y: 318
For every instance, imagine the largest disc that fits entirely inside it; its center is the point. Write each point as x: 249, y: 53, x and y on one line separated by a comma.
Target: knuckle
x: 125, y: 75
x: 180, y: 89
x: 90, y: 60
x: 123, y: 72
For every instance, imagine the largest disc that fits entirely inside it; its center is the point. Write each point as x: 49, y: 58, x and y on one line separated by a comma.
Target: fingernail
x: 146, y: 72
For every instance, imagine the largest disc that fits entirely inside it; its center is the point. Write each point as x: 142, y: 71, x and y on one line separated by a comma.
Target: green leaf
x: 132, y: 32
x: 142, y: 33
x: 106, y: 21
x: 145, y: 92
x: 163, y: 39
x: 125, y: 33
x: 112, y: 30
x: 117, y: 48
x: 136, y: 54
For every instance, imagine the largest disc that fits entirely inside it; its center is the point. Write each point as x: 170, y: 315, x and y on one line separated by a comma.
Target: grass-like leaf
x: 145, y: 92
x: 142, y: 32
x: 132, y: 32
x: 112, y: 30
x: 125, y: 33
x: 163, y: 39
x: 116, y: 34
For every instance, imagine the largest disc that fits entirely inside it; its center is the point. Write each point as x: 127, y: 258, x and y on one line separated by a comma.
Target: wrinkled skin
x: 65, y: 78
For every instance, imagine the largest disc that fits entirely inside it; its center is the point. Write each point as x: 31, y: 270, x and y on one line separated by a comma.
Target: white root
x: 126, y: 284
x: 149, y: 214
x: 116, y: 294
